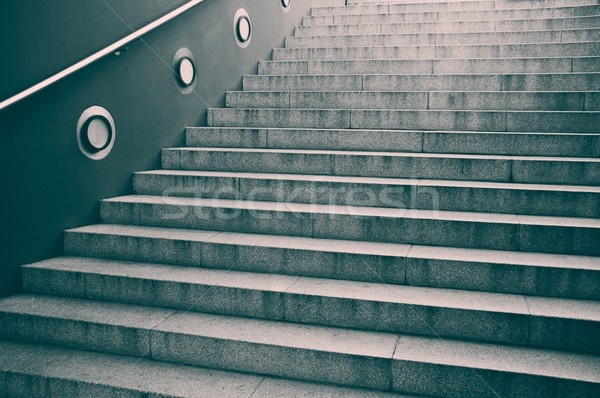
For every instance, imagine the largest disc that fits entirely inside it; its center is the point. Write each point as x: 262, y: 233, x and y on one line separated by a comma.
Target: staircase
x: 404, y: 201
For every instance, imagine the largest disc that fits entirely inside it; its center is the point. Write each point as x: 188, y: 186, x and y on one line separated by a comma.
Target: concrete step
x: 551, y: 200
x: 492, y: 168
x: 435, y: 100
x: 428, y: 82
x: 459, y: 15
x: 304, y: 352
x: 44, y: 371
x: 560, y: 235
x: 592, y: 21
x: 533, y: 274
x: 539, y: 36
x: 431, y: 66
x: 530, y: 50
x: 315, y: 353
x: 477, y: 316
x: 484, y: 143
x: 453, y: 120
x: 373, y: 8
x: 499, y: 4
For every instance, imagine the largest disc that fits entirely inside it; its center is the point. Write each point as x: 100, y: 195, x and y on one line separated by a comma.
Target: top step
x: 377, y: 15
x: 464, y: 3
x: 367, y: 7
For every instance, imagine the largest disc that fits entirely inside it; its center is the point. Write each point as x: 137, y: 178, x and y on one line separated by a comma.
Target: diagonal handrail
x: 98, y: 55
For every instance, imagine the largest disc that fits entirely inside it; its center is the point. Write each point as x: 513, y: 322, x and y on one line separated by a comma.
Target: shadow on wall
x: 49, y: 185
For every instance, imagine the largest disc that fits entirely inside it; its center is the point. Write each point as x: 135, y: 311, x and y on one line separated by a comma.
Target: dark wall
x: 49, y: 185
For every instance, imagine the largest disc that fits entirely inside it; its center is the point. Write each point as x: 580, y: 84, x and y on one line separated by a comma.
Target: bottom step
x: 380, y: 361
x: 37, y: 371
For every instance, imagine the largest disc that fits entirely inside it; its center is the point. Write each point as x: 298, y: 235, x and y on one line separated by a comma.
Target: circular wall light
x: 242, y: 28
x: 184, y: 66
x: 96, y: 132
x: 187, y: 72
x: 285, y: 4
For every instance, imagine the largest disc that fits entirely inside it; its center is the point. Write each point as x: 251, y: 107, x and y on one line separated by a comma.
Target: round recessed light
x: 187, y: 71
x: 244, y: 29
x: 98, y: 133
x: 286, y: 3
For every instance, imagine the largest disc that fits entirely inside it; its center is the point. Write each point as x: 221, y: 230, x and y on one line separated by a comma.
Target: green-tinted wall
x: 48, y: 185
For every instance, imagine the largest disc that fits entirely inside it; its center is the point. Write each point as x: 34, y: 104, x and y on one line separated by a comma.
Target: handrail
x: 99, y: 54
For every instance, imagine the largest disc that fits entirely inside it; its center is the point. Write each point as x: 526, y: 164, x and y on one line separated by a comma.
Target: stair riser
x: 434, y: 67
x: 320, y: 264
x: 35, y: 386
x: 88, y: 336
x: 551, y: 203
x: 494, y: 121
x: 433, y: 232
x: 443, y: 16
x: 361, y: 9
x: 412, y: 269
x: 460, y: 382
x: 156, y: 293
x: 527, y: 82
x: 556, y: 36
x: 583, y: 145
x: 555, y: 101
x: 449, y: 27
x: 168, y: 346
x: 328, y: 311
x: 478, y: 169
x: 440, y: 52
x: 296, y: 363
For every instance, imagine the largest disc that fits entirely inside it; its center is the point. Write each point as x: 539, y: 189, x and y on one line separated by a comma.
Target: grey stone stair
x: 560, y: 235
x: 533, y: 274
x: 440, y: 51
x: 405, y: 200
x: 392, y: 16
x: 510, y: 25
x: 358, y: 8
x: 545, y: 170
x: 390, y: 82
x: 509, y: 198
x: 459, y: 142
x: 44, y: 371
x: 434, y: 100
x: 376, y: 360
x: 540, y: 36
x: 457, y: 120
x: 431, y: 66
x: 492, y: 317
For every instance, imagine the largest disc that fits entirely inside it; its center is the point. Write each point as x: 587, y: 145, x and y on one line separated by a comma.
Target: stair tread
x: 460, y: 21
x: 475, y: 75
x: 367, y: 344
x: 351, y: 342
x: 152, y: 377
x: 362, y: 291
x: 350, y: 7
x: 492, y: 15
x: 499, y: 32
x: 363, y: 211
x: 392, y: 92
x: 349, y: 246
x: 375, y: 180
x: 434, y: 59
x: 400, y: 46
x: 391, y: 154
x: 498, y: 357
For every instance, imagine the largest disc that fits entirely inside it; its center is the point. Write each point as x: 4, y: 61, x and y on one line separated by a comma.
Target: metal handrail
x: 98, y: 55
